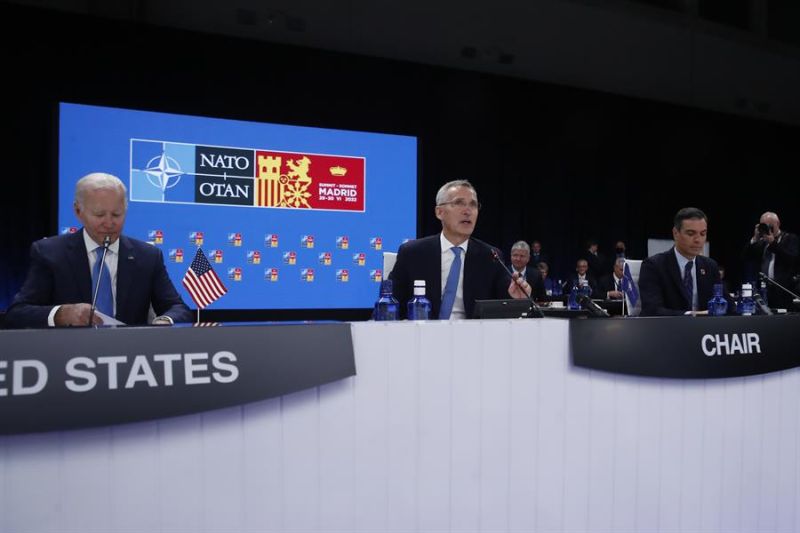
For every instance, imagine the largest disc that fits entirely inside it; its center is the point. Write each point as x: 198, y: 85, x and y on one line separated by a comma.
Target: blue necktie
x: 688, y: 285
x: 105, y: 300
x: 449, y: 296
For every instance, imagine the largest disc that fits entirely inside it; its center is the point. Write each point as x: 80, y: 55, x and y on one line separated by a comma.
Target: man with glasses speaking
x: 457, y: 268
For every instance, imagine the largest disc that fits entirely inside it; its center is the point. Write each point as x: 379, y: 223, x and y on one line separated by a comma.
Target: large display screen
x: 289, y: 217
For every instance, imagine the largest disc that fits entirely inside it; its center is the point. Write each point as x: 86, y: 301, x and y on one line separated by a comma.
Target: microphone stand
x: 538, y: 309
x: 106, y: 244
x: 764, y: 277
x: 592, y: 307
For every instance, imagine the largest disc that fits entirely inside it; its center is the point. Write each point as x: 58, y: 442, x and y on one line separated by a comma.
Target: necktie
x: 449, y: 296
x: 105, y: 300
x: 688, y: 285
x: 766, y: 260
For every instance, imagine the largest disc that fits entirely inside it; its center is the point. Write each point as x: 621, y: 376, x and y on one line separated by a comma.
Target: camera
x: 764, y: 229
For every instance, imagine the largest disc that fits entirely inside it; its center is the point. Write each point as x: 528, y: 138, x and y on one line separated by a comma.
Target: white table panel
x: 466, y: 426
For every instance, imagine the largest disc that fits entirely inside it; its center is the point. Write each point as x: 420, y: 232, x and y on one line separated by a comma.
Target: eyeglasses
x: 461, y: 204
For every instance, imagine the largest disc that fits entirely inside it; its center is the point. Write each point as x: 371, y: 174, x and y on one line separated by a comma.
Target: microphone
x: 593, y: 308
x: 761, y: 304
x: 106, y: 244
x: 764, y: 277
x: 496, y: 258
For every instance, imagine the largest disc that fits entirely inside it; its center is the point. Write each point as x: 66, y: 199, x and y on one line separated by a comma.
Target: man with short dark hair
x: 594, y: 259
x: 457, y: 268
x: 582, y: 273
x: 537, y: 254
x: 64, y: 271
x: 681, y: 280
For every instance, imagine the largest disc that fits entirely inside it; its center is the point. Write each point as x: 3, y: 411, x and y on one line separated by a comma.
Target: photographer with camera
x: 774, y: 253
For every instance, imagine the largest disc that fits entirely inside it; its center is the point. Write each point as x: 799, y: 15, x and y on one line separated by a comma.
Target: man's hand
x: 614, y: 295
x: 769, y: 237
x: 75, y: 315
x: 519, y: 288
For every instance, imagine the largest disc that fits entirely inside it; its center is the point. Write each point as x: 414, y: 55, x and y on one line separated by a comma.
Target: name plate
x: 60, y: 379
x: 687, y: 347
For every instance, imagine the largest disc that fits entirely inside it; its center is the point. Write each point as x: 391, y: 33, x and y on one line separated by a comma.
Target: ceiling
x: 665, y: 50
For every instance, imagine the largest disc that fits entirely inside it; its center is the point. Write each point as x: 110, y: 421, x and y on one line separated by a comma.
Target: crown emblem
x: 338, y: 171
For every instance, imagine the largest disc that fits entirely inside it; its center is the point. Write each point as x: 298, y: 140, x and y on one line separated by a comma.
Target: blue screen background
x: 99, y: 139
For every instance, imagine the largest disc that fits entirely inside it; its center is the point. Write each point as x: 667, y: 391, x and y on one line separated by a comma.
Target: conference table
x: 467, y: 426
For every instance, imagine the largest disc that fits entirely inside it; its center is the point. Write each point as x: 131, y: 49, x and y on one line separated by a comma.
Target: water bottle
x: 572, y: 299
x: 763, y: 292
x: 718, y: 305
x: 584, y: 288
x: 419, y: 307
x: 746, y: 306
x: 386, y: 308
x: 557, y: 290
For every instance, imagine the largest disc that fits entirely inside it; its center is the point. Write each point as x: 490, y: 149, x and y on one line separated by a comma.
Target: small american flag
x: 202, y: 282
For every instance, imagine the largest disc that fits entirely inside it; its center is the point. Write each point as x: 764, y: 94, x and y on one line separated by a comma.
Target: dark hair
x: 687, y: 213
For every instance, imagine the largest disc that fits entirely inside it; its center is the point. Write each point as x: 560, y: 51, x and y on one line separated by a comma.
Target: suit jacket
x: 597, y: 264
x: 606, y: 285
x: 484, y: 279
x: 59, y: 274
x: 786, y: 252
x: 661, y: 285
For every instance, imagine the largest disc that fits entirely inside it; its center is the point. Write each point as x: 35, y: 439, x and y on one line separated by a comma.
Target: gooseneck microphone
x: 593, y: 308
x: 764, y: 277
x: 519, y: 282
x: 106, y: 244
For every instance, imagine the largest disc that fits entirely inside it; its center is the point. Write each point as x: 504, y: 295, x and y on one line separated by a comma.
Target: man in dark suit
x: 520, y: 256
x: 538, y: 255
x: 680, y: 281
x: 773, y: 252
x: 582, y: 272
x: 457, y: 268
x: 58, y: 288
x: 595, y: 260
x: 610, y: 287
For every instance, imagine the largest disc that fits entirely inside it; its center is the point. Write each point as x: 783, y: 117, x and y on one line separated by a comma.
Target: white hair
x: 97, y: 181
x: 521, y: 245
x: 441, y: 196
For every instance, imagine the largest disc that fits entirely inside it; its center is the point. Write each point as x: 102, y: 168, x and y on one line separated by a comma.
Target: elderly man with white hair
x: 66, y: 271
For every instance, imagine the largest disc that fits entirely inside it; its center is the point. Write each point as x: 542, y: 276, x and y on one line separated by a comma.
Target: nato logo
x: 162, y: 172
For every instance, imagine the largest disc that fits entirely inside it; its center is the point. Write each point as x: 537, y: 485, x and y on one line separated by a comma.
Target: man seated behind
x: 610, y: 287
x: 582, y: 273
